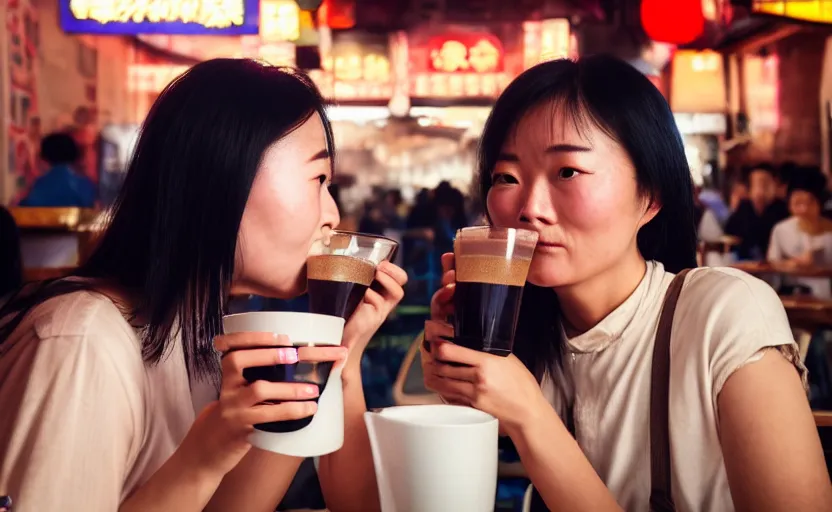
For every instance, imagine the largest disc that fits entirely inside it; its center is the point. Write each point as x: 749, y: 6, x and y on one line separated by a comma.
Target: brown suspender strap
x: 661, y: 495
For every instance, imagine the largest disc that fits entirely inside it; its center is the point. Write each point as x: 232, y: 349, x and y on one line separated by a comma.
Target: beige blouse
x: 724, y: 319
x: 83, y: 421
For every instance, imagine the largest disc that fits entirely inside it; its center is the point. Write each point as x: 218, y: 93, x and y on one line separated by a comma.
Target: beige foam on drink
x: 340, y: 268
x: 485, y: 261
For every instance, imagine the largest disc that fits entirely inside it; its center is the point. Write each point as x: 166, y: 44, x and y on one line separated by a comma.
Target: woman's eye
x: 567, y: 173
x: 322, y: 179
x: 503, y: 179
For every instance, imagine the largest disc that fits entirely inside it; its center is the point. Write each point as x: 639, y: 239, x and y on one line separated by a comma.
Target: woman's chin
x: 547, y: 278
x: 282, y: 291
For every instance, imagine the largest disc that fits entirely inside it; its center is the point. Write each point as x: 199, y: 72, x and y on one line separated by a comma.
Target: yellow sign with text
x: 817, y: 11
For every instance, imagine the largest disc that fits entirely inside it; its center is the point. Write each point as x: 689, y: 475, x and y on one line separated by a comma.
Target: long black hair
x: 618, y: 99
x: 11, y: 261
x: 172, y: 238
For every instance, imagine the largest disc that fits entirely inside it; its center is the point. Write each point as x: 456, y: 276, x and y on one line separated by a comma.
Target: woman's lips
x: 548, y: 245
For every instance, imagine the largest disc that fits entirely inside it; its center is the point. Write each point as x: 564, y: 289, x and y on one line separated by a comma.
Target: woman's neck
x: 585, y: 304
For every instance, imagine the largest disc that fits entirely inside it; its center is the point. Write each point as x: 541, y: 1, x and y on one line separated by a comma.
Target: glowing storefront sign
x: 160, y: 16
x: 817, y: 11
x: 456, y: 85
x: 466, y: 53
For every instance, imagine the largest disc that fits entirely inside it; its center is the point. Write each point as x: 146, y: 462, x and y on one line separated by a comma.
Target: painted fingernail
x: 287, y: 355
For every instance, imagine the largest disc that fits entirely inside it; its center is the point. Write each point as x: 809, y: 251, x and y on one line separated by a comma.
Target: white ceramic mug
x: 325, y: 433
x: 434, y: 458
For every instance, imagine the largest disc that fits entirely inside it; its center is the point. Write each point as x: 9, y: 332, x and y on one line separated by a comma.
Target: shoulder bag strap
x: 661, y: 495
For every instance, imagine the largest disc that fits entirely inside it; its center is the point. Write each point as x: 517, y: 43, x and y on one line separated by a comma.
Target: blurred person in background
x: 737, y: 194
x: 450, y: 216
x: 61, y: 185
x: 11, y: 263
x: 118, y: 389
x: 805, y: 238
x: 600, y: 173
x: 755, y: 217
x: 394, y: 209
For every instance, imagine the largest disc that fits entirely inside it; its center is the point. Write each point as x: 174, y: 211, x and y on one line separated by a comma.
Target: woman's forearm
x: 178, y: 486
x: 557, y: 467
x: 348, y: 477
x: 257, y: 483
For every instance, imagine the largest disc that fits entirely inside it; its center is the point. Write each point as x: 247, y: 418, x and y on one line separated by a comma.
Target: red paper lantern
x: 673, y: 21
x: 338, y: 14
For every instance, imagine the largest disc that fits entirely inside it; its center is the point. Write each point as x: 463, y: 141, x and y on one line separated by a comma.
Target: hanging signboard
x: 816, y: 11
x: 192, y: 17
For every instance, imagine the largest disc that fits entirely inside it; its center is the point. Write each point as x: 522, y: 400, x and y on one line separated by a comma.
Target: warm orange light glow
x: 279, y: 20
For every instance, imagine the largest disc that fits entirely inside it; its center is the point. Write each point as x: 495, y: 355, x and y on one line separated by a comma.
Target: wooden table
x: 823, y: 418
x: 806, y: 312
x: 758, y: 268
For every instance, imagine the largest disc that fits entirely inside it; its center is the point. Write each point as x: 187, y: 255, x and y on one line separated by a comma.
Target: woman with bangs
x: 610, y: 403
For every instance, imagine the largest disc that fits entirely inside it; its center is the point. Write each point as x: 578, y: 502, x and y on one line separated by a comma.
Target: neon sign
x: 466, y: 53
x: 160, y: 16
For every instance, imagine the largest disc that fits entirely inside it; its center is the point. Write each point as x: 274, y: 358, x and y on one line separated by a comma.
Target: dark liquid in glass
x: 303, y: 373
x: 334, y: 298
x: 336, y: 283
x: 485, y: 316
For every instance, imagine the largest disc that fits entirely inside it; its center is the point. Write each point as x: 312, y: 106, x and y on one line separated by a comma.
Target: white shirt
x: 789, y: 241
x: 84, y: 421
x: 724, y: 318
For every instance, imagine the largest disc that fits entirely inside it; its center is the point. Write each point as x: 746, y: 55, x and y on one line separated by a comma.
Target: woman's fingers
x: 463, y: 373
x: 391, y: 287
x: 266, y: 413
x: 397, y: 273
x: 264, y: 391
x: 449, y: 277
x: 322, y: 354
x: 448, y: 261
x: 237, y: 340
x: 438, y: 331
x: 233, y: 363
x: 442, y: 303
x: 455, y: 390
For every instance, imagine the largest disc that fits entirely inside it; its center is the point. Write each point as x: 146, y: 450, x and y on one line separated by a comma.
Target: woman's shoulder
x: 730, y: 317
x: 729, y: 293
x: 82, y: 323
x: 78, y: 314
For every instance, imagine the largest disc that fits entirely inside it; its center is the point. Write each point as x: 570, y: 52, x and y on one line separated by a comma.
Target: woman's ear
x: 653, y: 209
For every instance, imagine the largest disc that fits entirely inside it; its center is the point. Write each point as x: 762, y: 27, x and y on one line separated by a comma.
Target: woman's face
x: 804, y: 205
x: 578, y: 190
x: 288, y: 209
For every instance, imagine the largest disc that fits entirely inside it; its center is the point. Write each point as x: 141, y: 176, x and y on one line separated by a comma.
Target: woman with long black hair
x: 587, y: 154
x: 101, y: 373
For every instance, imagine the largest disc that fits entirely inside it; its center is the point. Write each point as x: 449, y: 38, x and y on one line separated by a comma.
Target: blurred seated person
x: 61, y: 185
x: 11, y: 267
x: 805, y: 238
x: 372, y: 222
x: 756, y: 217
x: 739, y: 193
x: 708, y: 228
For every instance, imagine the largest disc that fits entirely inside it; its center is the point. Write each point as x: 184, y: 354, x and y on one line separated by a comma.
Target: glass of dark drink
x: 340, y: 270
x: 491, y: 268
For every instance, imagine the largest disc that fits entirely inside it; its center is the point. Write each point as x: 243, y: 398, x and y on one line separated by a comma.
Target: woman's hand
x: 217, y: 441
x: 379, y: 300
x: 442, y: 303
x: 500, y: 386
